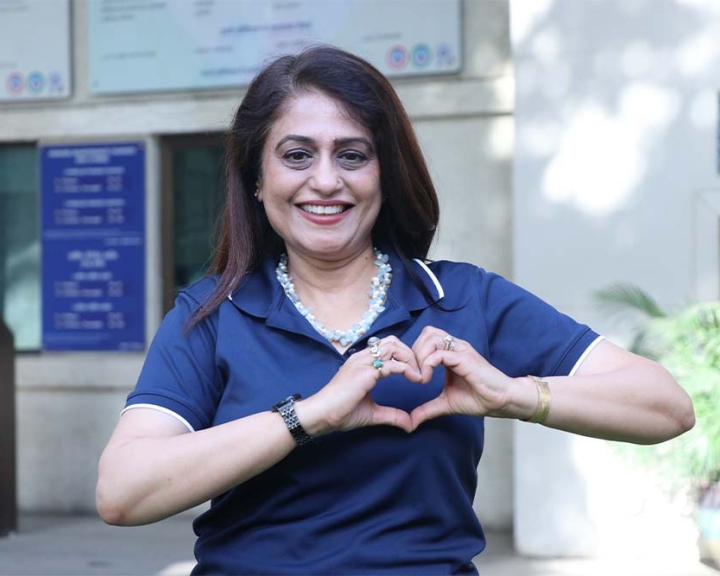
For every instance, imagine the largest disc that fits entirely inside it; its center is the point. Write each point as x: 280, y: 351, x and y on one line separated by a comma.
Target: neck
x: 344, y: 314
x: 312, y: 275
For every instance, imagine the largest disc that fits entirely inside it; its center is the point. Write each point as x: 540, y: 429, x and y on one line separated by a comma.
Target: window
x: 20, y: 244
x: 193, y: 188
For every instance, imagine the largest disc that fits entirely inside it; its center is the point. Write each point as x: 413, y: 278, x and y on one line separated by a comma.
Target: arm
x: 153, y: 467
x: 613, y: 395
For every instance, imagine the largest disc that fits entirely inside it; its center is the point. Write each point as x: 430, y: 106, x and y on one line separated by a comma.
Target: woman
x: 327, y: 449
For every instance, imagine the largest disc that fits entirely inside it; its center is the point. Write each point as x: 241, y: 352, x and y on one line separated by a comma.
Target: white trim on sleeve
x: 163, y: 410
x: 584, y: 354
x: 438, y: 286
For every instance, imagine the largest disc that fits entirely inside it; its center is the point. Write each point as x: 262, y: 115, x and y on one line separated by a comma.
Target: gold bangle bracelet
x: 543, y: 407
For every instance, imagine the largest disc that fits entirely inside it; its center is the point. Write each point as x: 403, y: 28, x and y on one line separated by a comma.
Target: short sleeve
x: 527, y: 335
x: 180, y: 373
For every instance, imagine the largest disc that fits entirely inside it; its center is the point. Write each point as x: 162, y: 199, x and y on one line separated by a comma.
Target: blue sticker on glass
x: 55, y: 82
x: 397, y: 57
x: 421, y: 56
x: 15, y: 83
x: 444, y: 56
x: 35, y: 82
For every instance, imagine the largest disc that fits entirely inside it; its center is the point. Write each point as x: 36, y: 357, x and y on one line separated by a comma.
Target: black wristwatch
x: 286, y: 408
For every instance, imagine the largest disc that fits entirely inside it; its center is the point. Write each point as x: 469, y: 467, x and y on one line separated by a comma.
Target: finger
x: 435, y: 359
x: 391, y: 351
x: 404, y: 358
x: 394, y: 348
x: 394, y: 366
x: 386, y: 415
x: 432, y: 409
x: 423, y: 344
x: 432, y: 339
x: 462, y: 363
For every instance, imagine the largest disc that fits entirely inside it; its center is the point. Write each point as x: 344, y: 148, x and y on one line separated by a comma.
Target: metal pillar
x: 8, y: 457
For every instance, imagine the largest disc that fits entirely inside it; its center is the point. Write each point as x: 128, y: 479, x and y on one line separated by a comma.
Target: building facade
x: 68, y: 401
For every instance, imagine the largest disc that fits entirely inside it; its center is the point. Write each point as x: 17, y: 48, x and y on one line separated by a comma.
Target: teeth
x: 323, y: 210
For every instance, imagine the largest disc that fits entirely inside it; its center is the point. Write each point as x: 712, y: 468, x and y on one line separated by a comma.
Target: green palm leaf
x: 622, y: 298
x: 687, y: 343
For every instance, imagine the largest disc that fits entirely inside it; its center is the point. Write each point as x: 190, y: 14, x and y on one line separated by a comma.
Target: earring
x: 257, y: 192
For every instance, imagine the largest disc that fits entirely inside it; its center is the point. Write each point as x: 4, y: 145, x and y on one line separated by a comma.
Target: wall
x: 615, y: 179
x: 68, y: 403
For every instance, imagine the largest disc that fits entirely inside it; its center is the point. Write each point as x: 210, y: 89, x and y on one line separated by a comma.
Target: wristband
x: 286, y: 408
x: 543, y: 407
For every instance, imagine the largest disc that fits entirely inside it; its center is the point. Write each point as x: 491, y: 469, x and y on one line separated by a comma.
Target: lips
x: 324, y: 210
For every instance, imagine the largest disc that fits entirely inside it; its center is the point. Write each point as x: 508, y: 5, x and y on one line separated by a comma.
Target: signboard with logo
x: 136, y: 46
x: 34, y: 49
x: 93, y: 246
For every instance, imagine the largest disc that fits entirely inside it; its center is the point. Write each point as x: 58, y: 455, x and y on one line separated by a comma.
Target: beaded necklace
x: 378, y: 294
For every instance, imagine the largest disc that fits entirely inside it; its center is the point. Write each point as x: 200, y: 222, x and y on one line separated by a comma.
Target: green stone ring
x: 374, y: 345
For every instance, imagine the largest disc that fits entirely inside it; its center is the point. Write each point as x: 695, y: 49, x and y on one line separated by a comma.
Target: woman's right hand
x: 344, y: 403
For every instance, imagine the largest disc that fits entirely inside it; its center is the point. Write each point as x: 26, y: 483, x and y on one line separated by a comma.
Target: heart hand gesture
x: 472, y: 385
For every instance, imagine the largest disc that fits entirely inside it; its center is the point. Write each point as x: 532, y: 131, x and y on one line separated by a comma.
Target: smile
x: 323, y: 210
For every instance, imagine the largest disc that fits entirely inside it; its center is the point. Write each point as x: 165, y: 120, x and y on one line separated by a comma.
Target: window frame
x: 34, y: 145
x: 169, y: 145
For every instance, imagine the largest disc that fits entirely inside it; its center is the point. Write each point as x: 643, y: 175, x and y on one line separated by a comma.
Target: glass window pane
x: 20, y: 244
x: 198, y: 181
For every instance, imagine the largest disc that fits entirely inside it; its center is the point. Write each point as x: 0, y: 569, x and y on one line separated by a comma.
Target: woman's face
x: 320, y: 181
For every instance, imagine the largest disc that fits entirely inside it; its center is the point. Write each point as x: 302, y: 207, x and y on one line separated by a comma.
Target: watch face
x: 289, y: 401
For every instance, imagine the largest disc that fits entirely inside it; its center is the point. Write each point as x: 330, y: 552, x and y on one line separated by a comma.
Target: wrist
x: 543, y: 400
x: 523, y: 403
x: 310, y: 418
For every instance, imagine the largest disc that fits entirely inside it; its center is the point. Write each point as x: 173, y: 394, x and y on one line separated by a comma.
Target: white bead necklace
x: 378, y: 295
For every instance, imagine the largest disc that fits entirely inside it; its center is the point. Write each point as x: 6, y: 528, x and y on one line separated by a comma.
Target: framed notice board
x: 151, y: 46
x: 93, y: 246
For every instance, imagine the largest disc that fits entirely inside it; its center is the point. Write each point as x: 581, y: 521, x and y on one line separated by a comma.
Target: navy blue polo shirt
x: 372, y: 500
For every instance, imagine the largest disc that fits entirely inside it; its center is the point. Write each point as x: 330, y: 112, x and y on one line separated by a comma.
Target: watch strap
x: 286, y: 409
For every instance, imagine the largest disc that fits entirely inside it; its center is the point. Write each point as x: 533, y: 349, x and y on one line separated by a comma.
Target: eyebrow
x: 337, y: 141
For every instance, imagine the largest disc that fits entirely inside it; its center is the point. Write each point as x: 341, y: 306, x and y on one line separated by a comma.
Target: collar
x: 261, y: 295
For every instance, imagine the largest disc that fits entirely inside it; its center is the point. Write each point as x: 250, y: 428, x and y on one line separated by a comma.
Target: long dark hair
x: 410, y: 212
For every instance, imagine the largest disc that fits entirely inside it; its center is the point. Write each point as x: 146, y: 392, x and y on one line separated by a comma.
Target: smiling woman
x: 326, y: 386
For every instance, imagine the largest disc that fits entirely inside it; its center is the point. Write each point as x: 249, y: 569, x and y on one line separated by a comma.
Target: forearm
x: 153, y: 468
x: 639, y: 402
x: 145, y: 479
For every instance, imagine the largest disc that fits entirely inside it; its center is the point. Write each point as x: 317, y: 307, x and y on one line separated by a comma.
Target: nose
x: 325, y: 177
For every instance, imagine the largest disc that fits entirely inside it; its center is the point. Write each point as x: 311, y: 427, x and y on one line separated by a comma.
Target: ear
x: 258, y: 190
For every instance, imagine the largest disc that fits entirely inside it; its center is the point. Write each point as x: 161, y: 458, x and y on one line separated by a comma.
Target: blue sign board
x: 93, y: 246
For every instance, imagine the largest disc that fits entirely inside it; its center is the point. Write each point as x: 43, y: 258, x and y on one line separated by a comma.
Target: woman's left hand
x: 472, y: 385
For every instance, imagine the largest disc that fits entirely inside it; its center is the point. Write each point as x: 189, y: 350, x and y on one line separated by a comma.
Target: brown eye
x: 352, y: 158
x: 296, y: 156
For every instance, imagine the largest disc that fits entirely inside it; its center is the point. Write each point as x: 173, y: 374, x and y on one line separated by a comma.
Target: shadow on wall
x: 615, y: 125
x: 622, y: 92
